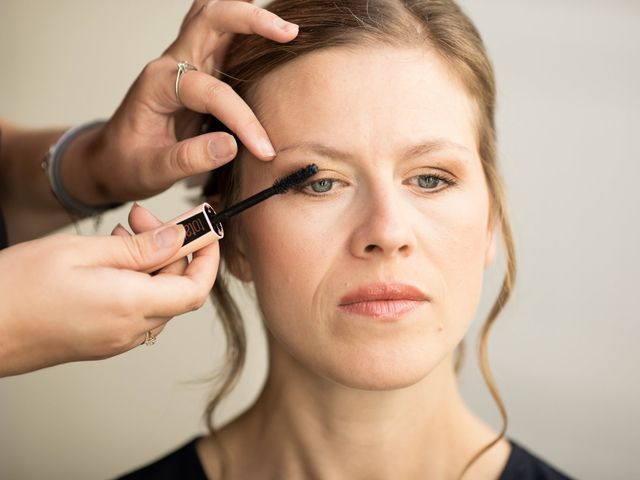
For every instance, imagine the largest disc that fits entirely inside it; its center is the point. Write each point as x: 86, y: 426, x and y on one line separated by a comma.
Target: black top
x: 3, y: 233
x: 184, y: 464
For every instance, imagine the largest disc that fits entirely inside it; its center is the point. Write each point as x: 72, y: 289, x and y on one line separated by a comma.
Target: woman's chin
x: 382, y: 369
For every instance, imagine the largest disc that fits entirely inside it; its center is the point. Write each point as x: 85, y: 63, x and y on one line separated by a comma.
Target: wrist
x: 79, y: 168
x: 71, y: 176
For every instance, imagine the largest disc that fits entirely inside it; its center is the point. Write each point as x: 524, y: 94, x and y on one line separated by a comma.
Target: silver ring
x: 149, y: 339
x: 183, y: 67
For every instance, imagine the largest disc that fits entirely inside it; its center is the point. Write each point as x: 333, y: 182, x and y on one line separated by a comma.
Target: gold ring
x: 183, y: 67
x: 149, y: 339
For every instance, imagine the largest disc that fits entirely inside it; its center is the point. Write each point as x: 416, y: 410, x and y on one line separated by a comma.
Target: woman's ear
x: 490, y: 252
x: 234, y: 246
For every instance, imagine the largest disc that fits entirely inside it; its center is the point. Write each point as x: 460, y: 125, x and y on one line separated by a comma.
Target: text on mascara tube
x: 194, y: 227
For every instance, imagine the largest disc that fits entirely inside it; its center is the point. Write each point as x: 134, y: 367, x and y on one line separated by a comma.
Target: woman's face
x: 371, y: 273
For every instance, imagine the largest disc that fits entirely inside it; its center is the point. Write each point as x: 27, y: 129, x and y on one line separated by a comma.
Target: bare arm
x: 30, y: 208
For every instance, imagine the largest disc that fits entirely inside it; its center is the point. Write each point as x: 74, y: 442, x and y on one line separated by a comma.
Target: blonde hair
x: 436, y: 24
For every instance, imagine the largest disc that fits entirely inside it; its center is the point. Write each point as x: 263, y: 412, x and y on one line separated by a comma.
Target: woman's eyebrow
x: 431, y: 146
x: 317, y: 148
x: 423, y: 148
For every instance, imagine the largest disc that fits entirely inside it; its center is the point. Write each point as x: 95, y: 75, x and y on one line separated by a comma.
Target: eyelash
x: 307, y: 186
x: 441, y: 178
x: 448, y: 181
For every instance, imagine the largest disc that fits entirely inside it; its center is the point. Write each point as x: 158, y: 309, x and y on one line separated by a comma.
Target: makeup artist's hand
x: 142, y: 220
x: 67, y: 298
x: 149, y: 142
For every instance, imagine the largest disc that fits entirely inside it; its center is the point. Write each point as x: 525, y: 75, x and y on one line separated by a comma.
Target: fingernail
x: 266, y: 148
x: 168, y: 236
x: 220, y: 149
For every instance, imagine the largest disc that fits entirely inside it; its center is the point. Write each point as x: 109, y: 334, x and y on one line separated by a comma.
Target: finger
x: 221, y: 48
x: 137, y: 252
x: 193, y: 11
x: 170, y: 295
x: 121, y: 231
x: 198, y: 38
x: 196, y: 6
x: 204, y: 265
x: 154, y: 326
x: 193, y: 156
x: 158, y: 330
x: 244, y: 18
x: 142, y: 220
x: 205, y: 94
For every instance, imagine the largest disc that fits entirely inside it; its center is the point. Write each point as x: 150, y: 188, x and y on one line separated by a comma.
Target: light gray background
x: 564, y: 353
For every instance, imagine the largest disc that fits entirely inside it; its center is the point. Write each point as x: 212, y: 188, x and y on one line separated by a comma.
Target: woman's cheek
x: 286, y: 252
x: 462, y: 245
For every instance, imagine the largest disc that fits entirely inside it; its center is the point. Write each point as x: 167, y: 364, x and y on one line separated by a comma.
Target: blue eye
x: 429, y: 181
x: 321, y: 186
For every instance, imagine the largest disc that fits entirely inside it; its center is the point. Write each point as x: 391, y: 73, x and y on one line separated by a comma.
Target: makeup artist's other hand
x: 67, y: 298
x: 149, y: 142
x: 142, y: 220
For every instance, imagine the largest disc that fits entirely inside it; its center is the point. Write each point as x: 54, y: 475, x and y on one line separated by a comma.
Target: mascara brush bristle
x: 283, y: 184
x: 279, y: 186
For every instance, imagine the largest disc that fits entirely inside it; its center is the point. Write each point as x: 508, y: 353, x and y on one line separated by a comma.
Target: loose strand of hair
x: 235, y: 356
x: 506, y: 291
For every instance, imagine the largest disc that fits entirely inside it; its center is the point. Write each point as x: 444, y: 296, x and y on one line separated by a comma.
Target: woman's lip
x: 382, y: 308
x: 384, y: 293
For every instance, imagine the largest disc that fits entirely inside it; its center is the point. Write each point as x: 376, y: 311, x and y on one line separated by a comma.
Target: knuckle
x: 179, y: 159
x: 209, y: 8
x: 200, y: 301
x: 66, y: 247
x: 196, y: 301
x: 214, y: 91
x: 148, y: 179
x: 136, y: 252
x: 196, y: 305
x: 63, y: 241
x: 151, y: 70
x: 259, y: 15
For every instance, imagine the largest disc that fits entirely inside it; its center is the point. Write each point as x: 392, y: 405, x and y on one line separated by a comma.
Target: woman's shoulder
x: 182, y: 463
x: 523, y: 465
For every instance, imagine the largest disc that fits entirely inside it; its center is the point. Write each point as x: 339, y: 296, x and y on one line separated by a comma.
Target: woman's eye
x: 431, y: 182
x: 320, y: 186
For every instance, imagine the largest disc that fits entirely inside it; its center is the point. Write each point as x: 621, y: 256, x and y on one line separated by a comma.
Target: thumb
x: 196, y: 155
x: 143, y: 251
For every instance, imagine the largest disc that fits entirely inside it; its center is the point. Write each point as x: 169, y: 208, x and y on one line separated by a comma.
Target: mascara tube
x: 200, y: 230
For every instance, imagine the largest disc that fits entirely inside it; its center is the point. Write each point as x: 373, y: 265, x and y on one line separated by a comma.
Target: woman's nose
x: 383, y: 227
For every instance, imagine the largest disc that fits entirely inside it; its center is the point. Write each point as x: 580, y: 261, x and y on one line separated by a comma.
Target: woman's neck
x: 305, y: 426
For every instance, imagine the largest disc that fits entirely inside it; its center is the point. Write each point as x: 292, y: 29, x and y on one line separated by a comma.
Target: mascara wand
x: 203, y: 225
x: 279, y: 186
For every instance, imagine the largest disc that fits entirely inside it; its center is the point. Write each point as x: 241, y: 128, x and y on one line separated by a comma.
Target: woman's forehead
x: 365, y: 96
